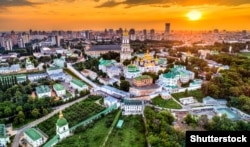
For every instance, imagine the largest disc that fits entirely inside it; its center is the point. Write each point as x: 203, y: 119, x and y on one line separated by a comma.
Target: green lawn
x: 195, y: 93
x: 245, y: 54
x: 132, y: 133
x: 74, y: 114
x: 92, y: 135
x: 158, y: 101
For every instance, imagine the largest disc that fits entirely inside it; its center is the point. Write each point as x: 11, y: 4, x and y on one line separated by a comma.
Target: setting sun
x: 194, y: 15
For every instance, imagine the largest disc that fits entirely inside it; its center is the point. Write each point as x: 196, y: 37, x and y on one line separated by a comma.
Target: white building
x: 131, y: 71
x: 113, y: 71
x: 187, y: 100
x: 114, y: 92
x: 59, y: 89
x: 89, y: 73
x: 62, y: 127
x: 59, y: 62
x: 110, y: 101
x: 29, y: 65
x: 33, y: 137
x: 4, y: 138
x: 79, y: 85
x: 35, y: 77
x: 43, y: 91
x: 126, y: 51
x: 132, y: 107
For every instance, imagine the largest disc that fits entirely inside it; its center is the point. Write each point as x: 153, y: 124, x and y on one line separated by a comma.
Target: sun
x: 194, y: 15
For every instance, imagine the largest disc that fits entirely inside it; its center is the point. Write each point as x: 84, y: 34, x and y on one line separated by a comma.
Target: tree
x: 20, y: 118
x: 189, y: 119
x: 19, y: 108
x: 35, y: 113
x: 7, y: 111
x: 124, y: 85
x: 45, y: 111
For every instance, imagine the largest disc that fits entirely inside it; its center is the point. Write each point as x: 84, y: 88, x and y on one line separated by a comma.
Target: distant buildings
x: 167, y: 28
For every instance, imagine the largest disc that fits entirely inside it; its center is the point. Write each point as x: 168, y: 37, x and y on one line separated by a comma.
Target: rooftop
x: 132, y: 102
x: 53, y: 68
x: 143, y: 77
x: 2, y: 130
x: 111, y: 99
x: 105, y: 62
x: 42, y: 89
x: 132, y: 68
x: 104, y: 47
x: 78, y: 83
x: 58, y: 87
x: 33, y: 134
x: 120, y: 123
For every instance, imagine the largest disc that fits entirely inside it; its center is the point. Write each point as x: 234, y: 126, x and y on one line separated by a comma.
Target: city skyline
x: 22, y: 15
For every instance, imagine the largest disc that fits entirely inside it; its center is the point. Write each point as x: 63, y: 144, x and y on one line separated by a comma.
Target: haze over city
x: 21, y: 15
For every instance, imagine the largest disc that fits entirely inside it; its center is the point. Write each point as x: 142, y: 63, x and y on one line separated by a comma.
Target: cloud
x: 132, y: 3
x: 14, y: 3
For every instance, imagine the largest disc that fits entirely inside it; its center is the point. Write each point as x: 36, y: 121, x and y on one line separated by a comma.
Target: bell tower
x: 125, y: 47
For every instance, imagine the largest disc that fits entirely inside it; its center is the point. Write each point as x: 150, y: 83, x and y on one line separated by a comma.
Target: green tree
x: 7, y: 111
x: 35, y: 113
x: 124, y: 85
x: 20, y: 118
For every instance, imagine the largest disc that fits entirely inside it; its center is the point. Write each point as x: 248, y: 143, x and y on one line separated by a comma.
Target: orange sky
x: 139, y: 14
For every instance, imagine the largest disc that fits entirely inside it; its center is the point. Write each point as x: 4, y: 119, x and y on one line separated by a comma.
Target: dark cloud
x: 13, y: 3
x: 131, y: 3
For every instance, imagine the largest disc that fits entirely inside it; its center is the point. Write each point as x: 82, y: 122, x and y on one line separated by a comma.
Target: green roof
x: 170, y: 75
x: 58, y: 87
x: 120, y: 123
x: 53, y: 68
x: 21, y: 77
x: 2, y: 130
x: 78, y: 82
x: 132, y: 102
x: 143, y: 77
x: 61, y: 122
x: 132, y: 68
x: 52, y: 141
x: 105, y: 62
x: 33, y: 134
x: 42, y: 89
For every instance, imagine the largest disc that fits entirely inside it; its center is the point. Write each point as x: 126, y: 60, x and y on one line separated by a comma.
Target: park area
x: 92, y: 135
x: 245, y: 54
x: 131, y: 133
x: 197, y: 94
x: 74, y: 114
x: 159, y: 101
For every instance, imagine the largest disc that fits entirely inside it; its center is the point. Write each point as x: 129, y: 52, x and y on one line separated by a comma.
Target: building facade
x: 33, y: 137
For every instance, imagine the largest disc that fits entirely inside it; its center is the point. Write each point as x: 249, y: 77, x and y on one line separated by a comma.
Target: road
x: 34, y: 123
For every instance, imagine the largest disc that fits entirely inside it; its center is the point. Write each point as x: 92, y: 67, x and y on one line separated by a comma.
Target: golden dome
x: 125, y: 33
x: 147, y: 56
x: 61, y: 115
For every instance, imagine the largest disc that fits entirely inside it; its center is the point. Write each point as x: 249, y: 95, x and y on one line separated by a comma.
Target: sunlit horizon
x: 97, y: 15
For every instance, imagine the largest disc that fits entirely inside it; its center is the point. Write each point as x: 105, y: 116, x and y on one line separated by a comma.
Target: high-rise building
x: 152, y: 34
x: 167, y: 28
x: 58, y: 40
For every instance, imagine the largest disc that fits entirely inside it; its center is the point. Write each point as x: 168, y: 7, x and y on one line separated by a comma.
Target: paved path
x: 36, y: 122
